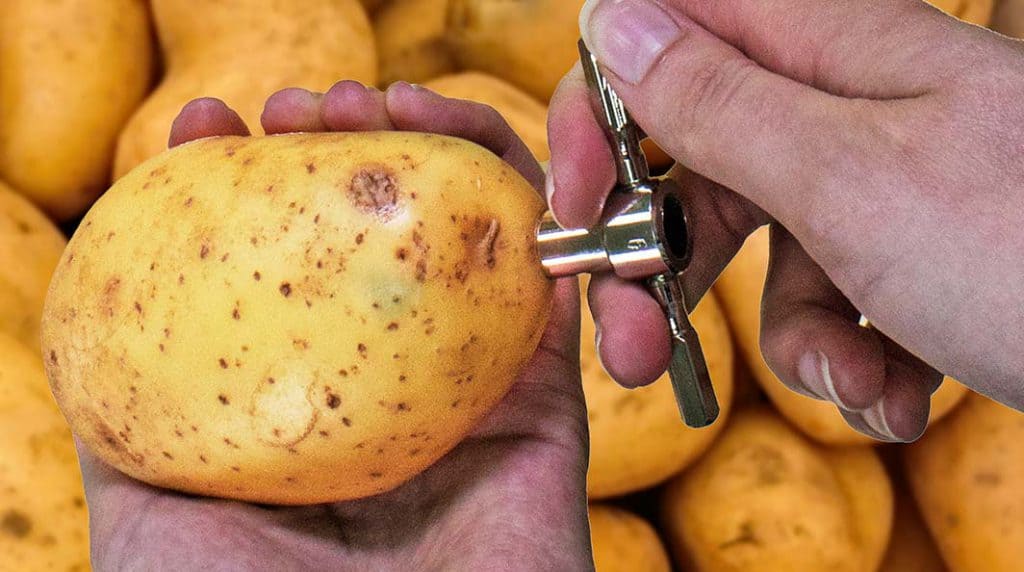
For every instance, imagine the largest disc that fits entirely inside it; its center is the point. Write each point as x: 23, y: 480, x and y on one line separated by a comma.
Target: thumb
x: 768, y: 137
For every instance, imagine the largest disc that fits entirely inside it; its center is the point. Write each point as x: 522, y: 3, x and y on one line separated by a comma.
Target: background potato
x: 624, y: 542
x: 73, y: 71
x: 30, y: 247
x: 966, y: 476
x: 43, y: 519
x: 296, y: 319
x: 411, y: 41
x: 739, y: 288
x: 911, y: 548
x: 242, y: 51
x: 530, y: 43
x: 973, y: 11
x: 527, y: 116
x: 637, y: 438
x: 766, y: 498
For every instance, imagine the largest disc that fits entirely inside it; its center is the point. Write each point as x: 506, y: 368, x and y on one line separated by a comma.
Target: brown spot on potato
x: 257, y: 276
x: 333, y: 401
x: 203, y: 459
x: 401, y: 254
x: 374, y: 191
x: 285, y: 289
x: 204, y: 251
x: 362, y: 350
x: 167, y: 455
x: 376, y: 475
x: 223, y: 363
x: 360, y: 237
x: 15, y: 523
x: 235, y: 314
x: 223, y: 399
x: 744, y: 536
x: 392, y: 326
x: 346, y: 421
x: 310, y: 168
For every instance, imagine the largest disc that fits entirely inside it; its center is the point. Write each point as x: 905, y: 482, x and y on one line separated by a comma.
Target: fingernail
x: 815, y: 373
x: 628, y: 38
x: 875, y: 418
x: 549, y: 192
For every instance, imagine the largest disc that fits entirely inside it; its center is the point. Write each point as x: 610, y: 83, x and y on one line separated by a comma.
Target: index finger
x: 582, y: 169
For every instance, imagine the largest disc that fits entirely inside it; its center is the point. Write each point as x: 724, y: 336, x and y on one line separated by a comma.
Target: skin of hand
x: 883, y: 142
x: 513, y: 493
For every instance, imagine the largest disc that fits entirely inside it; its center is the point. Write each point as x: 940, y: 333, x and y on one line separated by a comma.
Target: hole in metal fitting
x: 677, y: 235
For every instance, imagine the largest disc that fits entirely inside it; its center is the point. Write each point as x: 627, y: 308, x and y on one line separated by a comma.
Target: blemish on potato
x: 223, y: 363
x: 310, y: 168
x: 374, y: 191
x: 285, y: 289
x: 333, y: 401
x: 257, y: 276
x: 204, y: 251
x: 223, y: 399
x: 15, y: 523
x: 361, y: 348
x: 167, y: 455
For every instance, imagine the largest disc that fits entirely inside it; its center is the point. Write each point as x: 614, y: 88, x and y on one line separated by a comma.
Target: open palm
x: 511, y: 496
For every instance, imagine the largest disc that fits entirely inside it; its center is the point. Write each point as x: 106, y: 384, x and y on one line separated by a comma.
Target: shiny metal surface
x: 642, y: 236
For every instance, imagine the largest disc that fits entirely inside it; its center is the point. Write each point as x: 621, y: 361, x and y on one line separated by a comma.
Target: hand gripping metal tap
x: 642, y: 236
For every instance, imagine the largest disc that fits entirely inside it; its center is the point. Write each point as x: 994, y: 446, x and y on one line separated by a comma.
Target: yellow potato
x: 73, y: 71
x: 44, y: 524
x: 624, y: 542
x: 766, y: 498
x: 527, y: 116
x: 411, y: 41
x: 374, y: 5
x: 530, y: 43
x: 242, y: 51
x: 296, y: 319
x: 637, y: 438
x: 966, y: 475
x: 973, y: 11
x: 911, y: 548
x: 1009, y: 18
x: 739, y: 288
x: 30, y: 247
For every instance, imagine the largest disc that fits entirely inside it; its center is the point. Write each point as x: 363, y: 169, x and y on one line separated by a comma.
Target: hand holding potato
x: 516, y: 485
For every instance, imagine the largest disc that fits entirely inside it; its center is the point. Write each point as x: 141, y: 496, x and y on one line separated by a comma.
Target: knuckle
x: 714, y: 89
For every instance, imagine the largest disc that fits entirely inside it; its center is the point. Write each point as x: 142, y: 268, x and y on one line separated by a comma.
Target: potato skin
x: 766, y: 498
x: 524, y: 114
x: 965, y: 474
x: 624, y: 542
x: 530, y: 43
x: 73, y: 73
x: 242, y: 51
x: 637, y: 438
x: 739, y: 289
x: 299, y: 318
x: 411, y: 41
x: 30, y: 247
x: 44, y: 524
x: 973, y: 11
x: 911, y: 548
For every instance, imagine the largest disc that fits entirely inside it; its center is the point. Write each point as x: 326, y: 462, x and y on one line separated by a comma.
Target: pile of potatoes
x: 88, y: 89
